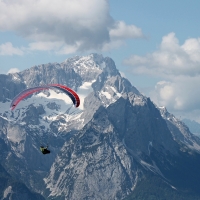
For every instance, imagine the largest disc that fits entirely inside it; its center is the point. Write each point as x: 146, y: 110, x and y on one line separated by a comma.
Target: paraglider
x: 44, y: 150
x: 72, y: 94
x: 69, y: 92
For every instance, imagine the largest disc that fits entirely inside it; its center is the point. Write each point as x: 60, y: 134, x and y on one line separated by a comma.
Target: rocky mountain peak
x: 101, y: 150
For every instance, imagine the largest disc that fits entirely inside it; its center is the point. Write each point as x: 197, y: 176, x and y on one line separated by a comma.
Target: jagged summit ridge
x: 80, y: 68
x: 90, y: 76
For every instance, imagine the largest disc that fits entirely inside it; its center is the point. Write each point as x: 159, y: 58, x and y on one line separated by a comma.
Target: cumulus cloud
x: 77, y: 25
x: 171, y: 59
x: 13, y: 70
x: 180, y: 95
x: 119, y: 33
x: 123, y: 31
x: 8, y: 49
x: 178, y: 68
x: 83, y: 21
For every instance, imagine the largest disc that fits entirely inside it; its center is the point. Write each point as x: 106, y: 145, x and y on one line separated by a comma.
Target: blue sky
x: 156, y: 44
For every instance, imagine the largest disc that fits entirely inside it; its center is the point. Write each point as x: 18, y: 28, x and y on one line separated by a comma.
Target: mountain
x: 193, y: 126
x: 117, y: 145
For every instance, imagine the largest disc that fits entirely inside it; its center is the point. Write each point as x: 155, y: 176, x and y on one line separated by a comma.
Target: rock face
x: 101, y: 150
x: 96, y: 164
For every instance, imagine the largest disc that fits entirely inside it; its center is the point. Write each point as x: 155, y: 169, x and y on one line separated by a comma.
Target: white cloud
x: 178, y: 68
x: 13, y: 70
x: 84, y: 21
x: 119, y: 33
x: 123, y: 31
x: 8, y: 49
x: 78, y: 24
x: 180, y: 95
x: 171, y: 59
x: 192, y: 47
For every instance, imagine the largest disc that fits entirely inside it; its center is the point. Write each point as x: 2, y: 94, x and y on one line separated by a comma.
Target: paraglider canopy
x: 71, y: 93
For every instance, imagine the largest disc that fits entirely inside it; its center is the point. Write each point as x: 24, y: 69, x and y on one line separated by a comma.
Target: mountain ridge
x: 103, y: 149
